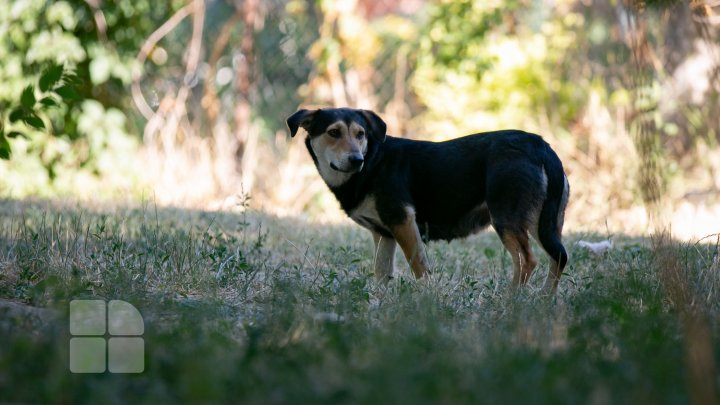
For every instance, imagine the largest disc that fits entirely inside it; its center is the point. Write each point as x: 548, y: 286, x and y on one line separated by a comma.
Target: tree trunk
x: 244, y: 151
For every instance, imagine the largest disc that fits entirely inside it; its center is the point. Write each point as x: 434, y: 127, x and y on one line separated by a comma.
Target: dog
x: 409, y: 192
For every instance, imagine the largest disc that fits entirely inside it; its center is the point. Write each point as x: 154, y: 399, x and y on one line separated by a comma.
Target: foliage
x: 488, y: 65
x: 101, y: 42
x: 60, y: 139
x: 662, y: 4
x: 443, y: 69
x: 55, y: 87
x: 284, y: 30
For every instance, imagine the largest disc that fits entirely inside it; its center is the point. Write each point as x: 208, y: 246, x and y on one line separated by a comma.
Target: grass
x: 255, y: 309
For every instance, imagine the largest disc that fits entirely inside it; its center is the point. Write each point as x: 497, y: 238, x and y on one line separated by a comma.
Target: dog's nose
x: 356, y: 160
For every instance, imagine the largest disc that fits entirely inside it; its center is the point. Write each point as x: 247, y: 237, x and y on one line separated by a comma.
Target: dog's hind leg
x: 384, y: 263
x: 518, y: 245
x: 550, y: 229
x: 408, y: 237
x: 558, y: 258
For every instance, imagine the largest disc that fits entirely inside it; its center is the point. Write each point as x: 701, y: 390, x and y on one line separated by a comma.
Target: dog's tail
x: 553, y: 210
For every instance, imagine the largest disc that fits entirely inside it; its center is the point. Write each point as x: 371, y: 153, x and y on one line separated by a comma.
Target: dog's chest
x: 366, y: 215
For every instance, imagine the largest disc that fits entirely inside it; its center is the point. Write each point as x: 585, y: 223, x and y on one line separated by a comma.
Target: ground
x: 258, y: 309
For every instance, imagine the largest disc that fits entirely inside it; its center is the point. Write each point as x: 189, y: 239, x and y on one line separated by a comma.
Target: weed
x: 260, y: 309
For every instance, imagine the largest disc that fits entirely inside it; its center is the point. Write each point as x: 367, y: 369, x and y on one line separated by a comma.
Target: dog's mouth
x: 332, y: 166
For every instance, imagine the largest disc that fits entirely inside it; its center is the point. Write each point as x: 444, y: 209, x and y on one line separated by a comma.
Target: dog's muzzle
x: 355, y: 164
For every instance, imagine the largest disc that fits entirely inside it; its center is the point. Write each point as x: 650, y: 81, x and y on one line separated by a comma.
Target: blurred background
x: 183, y: 102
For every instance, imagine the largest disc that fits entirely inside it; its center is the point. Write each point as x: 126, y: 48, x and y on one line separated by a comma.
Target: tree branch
x: 140, y: 101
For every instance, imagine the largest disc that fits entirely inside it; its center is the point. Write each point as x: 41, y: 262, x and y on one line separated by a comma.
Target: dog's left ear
x: 378, y: 128
x: 301, y: 119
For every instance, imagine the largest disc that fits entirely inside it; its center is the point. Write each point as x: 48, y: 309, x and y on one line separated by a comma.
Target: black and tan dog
x: 407, y: 191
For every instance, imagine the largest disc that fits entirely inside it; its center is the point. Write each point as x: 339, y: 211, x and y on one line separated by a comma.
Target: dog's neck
x: 332, y: 177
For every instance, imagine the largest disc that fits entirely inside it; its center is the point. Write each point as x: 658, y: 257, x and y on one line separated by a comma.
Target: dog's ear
x: 378, y: 128
x: 301, y: 119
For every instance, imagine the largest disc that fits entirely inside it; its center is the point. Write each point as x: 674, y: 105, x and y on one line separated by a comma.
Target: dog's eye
x: 334, y: 133
x: 360, y: 134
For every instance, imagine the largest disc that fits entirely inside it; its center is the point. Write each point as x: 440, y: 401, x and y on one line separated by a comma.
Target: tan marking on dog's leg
x: 524, y: 262
x: 513, y: 247
x: 553, y: 277
x: 384, y: 262
x: 408, y: 237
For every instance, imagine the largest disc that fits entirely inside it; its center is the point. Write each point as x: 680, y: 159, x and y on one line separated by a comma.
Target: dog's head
x: 339, y: 137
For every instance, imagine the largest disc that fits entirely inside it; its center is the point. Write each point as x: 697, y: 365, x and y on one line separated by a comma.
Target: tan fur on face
x: 337, y: 151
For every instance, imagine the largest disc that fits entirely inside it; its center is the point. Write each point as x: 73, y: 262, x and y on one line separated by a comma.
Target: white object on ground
x: 597, y: 248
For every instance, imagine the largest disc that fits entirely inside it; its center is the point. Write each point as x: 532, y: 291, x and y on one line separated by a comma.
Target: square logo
x: 91, y: 352
x: 87, y: 355
x: 126, y: 355
x: 87, y: 317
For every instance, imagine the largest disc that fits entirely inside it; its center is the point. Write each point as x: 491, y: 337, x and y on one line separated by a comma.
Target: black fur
x: 456, y: 187
x: 315, y: 121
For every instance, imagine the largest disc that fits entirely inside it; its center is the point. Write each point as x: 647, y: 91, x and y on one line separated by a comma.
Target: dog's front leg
x: 384, y: 264
x: 408, y: 237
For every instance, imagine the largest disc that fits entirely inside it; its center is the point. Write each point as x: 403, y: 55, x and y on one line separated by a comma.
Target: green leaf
x: 67, y: 92
x: 49, y: 102
x: 71, y: 78
x: 16, y: 134
x: 5, y: 150
x: 50, y: 77
x: 34, y: 121
x: 27, y: 99
x: 17, y: 114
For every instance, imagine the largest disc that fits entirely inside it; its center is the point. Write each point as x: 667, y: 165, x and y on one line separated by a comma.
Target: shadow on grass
x: 251, y: 308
